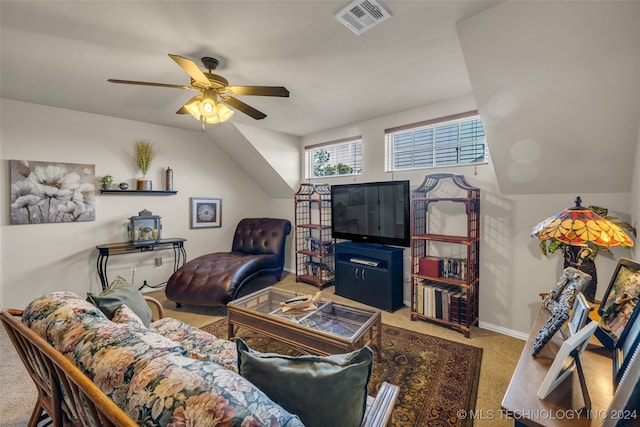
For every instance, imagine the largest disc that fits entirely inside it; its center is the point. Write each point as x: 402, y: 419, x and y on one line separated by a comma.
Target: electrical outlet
x: 158, y: 261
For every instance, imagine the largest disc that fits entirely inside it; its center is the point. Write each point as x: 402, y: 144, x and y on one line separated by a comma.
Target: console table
x: 121, y: 248
x: 563, y: 406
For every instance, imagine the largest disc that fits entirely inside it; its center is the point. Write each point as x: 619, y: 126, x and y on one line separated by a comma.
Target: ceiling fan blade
x: 259, y: 90
x: 183, y: 110
x: 241, y: 106
x: 192, y: 69
x: 132, y: 82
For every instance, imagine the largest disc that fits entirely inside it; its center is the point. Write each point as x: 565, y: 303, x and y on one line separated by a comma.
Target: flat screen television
x: 372, y: 212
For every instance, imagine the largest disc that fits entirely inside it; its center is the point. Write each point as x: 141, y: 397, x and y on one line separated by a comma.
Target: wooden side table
x: 563, y: 406
x: 121, y: 248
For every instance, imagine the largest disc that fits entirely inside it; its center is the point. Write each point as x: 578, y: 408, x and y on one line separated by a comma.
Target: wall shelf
x: 140, y: 192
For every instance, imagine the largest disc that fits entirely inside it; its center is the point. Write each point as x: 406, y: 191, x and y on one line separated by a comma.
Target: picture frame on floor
x: 206, y: 212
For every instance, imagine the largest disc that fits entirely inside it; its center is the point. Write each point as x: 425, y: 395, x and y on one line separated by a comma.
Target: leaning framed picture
x: 205, y: 212
x: 624, y: 410
x: 619, y: 302
x: 626, y: 346
x: 564, y: 361
x: 580, y: 314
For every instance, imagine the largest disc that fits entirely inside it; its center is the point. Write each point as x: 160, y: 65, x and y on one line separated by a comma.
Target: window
x: 342, y: 157
x: 452, y: 140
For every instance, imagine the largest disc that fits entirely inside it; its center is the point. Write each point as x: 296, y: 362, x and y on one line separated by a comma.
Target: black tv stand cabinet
x: 370, y: 273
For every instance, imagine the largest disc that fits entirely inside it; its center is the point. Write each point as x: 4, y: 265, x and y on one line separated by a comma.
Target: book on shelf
x: 463, y: 309
x: 448, y: 267
x: 441, y: 301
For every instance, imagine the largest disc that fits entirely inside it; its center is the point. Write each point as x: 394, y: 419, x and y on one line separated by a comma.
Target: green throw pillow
x: 321, y: 390
x: 122, y: 292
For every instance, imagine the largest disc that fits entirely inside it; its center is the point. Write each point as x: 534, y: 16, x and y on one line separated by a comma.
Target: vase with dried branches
x: 144, y: 155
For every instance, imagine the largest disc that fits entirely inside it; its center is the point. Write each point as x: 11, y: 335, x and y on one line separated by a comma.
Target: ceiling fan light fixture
x: 208, y: 105
x: 211, y: 120
x: 193, y: 106
x: 224, y: 112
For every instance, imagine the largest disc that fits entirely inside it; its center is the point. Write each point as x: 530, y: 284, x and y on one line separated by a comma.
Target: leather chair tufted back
x: 261, y: 236
x: 258, y: 249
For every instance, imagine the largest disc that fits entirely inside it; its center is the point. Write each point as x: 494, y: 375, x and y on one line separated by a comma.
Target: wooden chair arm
x: 65, y: 394
x: 379, y: 413
x: 155, y: 303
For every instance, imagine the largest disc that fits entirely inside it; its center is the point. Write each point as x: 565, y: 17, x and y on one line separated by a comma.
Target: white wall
x: 44, y: 257
x: 39, y: 258
x: 512, y: 271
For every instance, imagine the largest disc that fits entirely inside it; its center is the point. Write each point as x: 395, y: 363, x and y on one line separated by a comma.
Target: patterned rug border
x: 437, y: 406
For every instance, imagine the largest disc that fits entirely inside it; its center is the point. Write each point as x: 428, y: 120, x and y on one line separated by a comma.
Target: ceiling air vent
x: 361, y: 15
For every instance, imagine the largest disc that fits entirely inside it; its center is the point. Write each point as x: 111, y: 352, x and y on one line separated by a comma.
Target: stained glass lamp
x: 580, y: 231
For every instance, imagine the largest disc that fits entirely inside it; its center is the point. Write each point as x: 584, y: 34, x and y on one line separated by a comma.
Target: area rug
x: 438, y: 378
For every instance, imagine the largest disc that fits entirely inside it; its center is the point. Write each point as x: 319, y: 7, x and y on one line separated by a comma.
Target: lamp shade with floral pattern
x: 578, y: 226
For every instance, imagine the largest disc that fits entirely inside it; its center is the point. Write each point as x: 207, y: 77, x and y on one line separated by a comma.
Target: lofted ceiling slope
x: 558, y: 87
x: 271, y: 159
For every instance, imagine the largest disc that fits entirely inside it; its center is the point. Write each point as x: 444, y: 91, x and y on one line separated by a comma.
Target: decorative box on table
x: 145, y: 228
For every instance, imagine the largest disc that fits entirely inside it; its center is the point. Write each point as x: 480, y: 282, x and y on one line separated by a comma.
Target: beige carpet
x: 499, y: 358
x: 19, y: 394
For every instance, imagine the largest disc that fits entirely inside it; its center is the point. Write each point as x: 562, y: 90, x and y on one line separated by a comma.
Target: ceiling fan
x: 214, y: 91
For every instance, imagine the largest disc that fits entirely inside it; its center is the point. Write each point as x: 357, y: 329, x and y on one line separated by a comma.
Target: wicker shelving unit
x: 445, y: 272
x: 315, y: 257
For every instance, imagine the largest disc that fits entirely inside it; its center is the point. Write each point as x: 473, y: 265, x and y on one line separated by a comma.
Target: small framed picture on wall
x: 205, y: 212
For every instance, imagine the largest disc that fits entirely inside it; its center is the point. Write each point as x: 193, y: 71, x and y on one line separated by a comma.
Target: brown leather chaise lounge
x: 215, y: 279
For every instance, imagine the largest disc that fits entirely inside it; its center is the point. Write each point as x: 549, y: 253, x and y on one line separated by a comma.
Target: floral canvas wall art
x: 47, y: 192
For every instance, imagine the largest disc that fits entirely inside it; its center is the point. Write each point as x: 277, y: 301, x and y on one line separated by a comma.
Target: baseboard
x: 504, y: 331
x: 495, y: 328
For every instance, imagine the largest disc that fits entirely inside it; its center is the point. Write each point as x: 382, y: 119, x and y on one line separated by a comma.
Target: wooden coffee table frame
x: 305, y: 338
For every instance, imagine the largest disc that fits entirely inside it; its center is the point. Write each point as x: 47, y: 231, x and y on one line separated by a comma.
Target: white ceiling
x: 558, y: 87
x: 532, y: 67
x: 61, y: 53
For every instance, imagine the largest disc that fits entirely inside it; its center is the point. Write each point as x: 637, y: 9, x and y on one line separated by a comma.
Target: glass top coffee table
x: 331, y: 328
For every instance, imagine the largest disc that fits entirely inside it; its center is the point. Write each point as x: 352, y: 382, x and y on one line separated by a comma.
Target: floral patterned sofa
x: 168, y: 374
x: 90, y: 370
